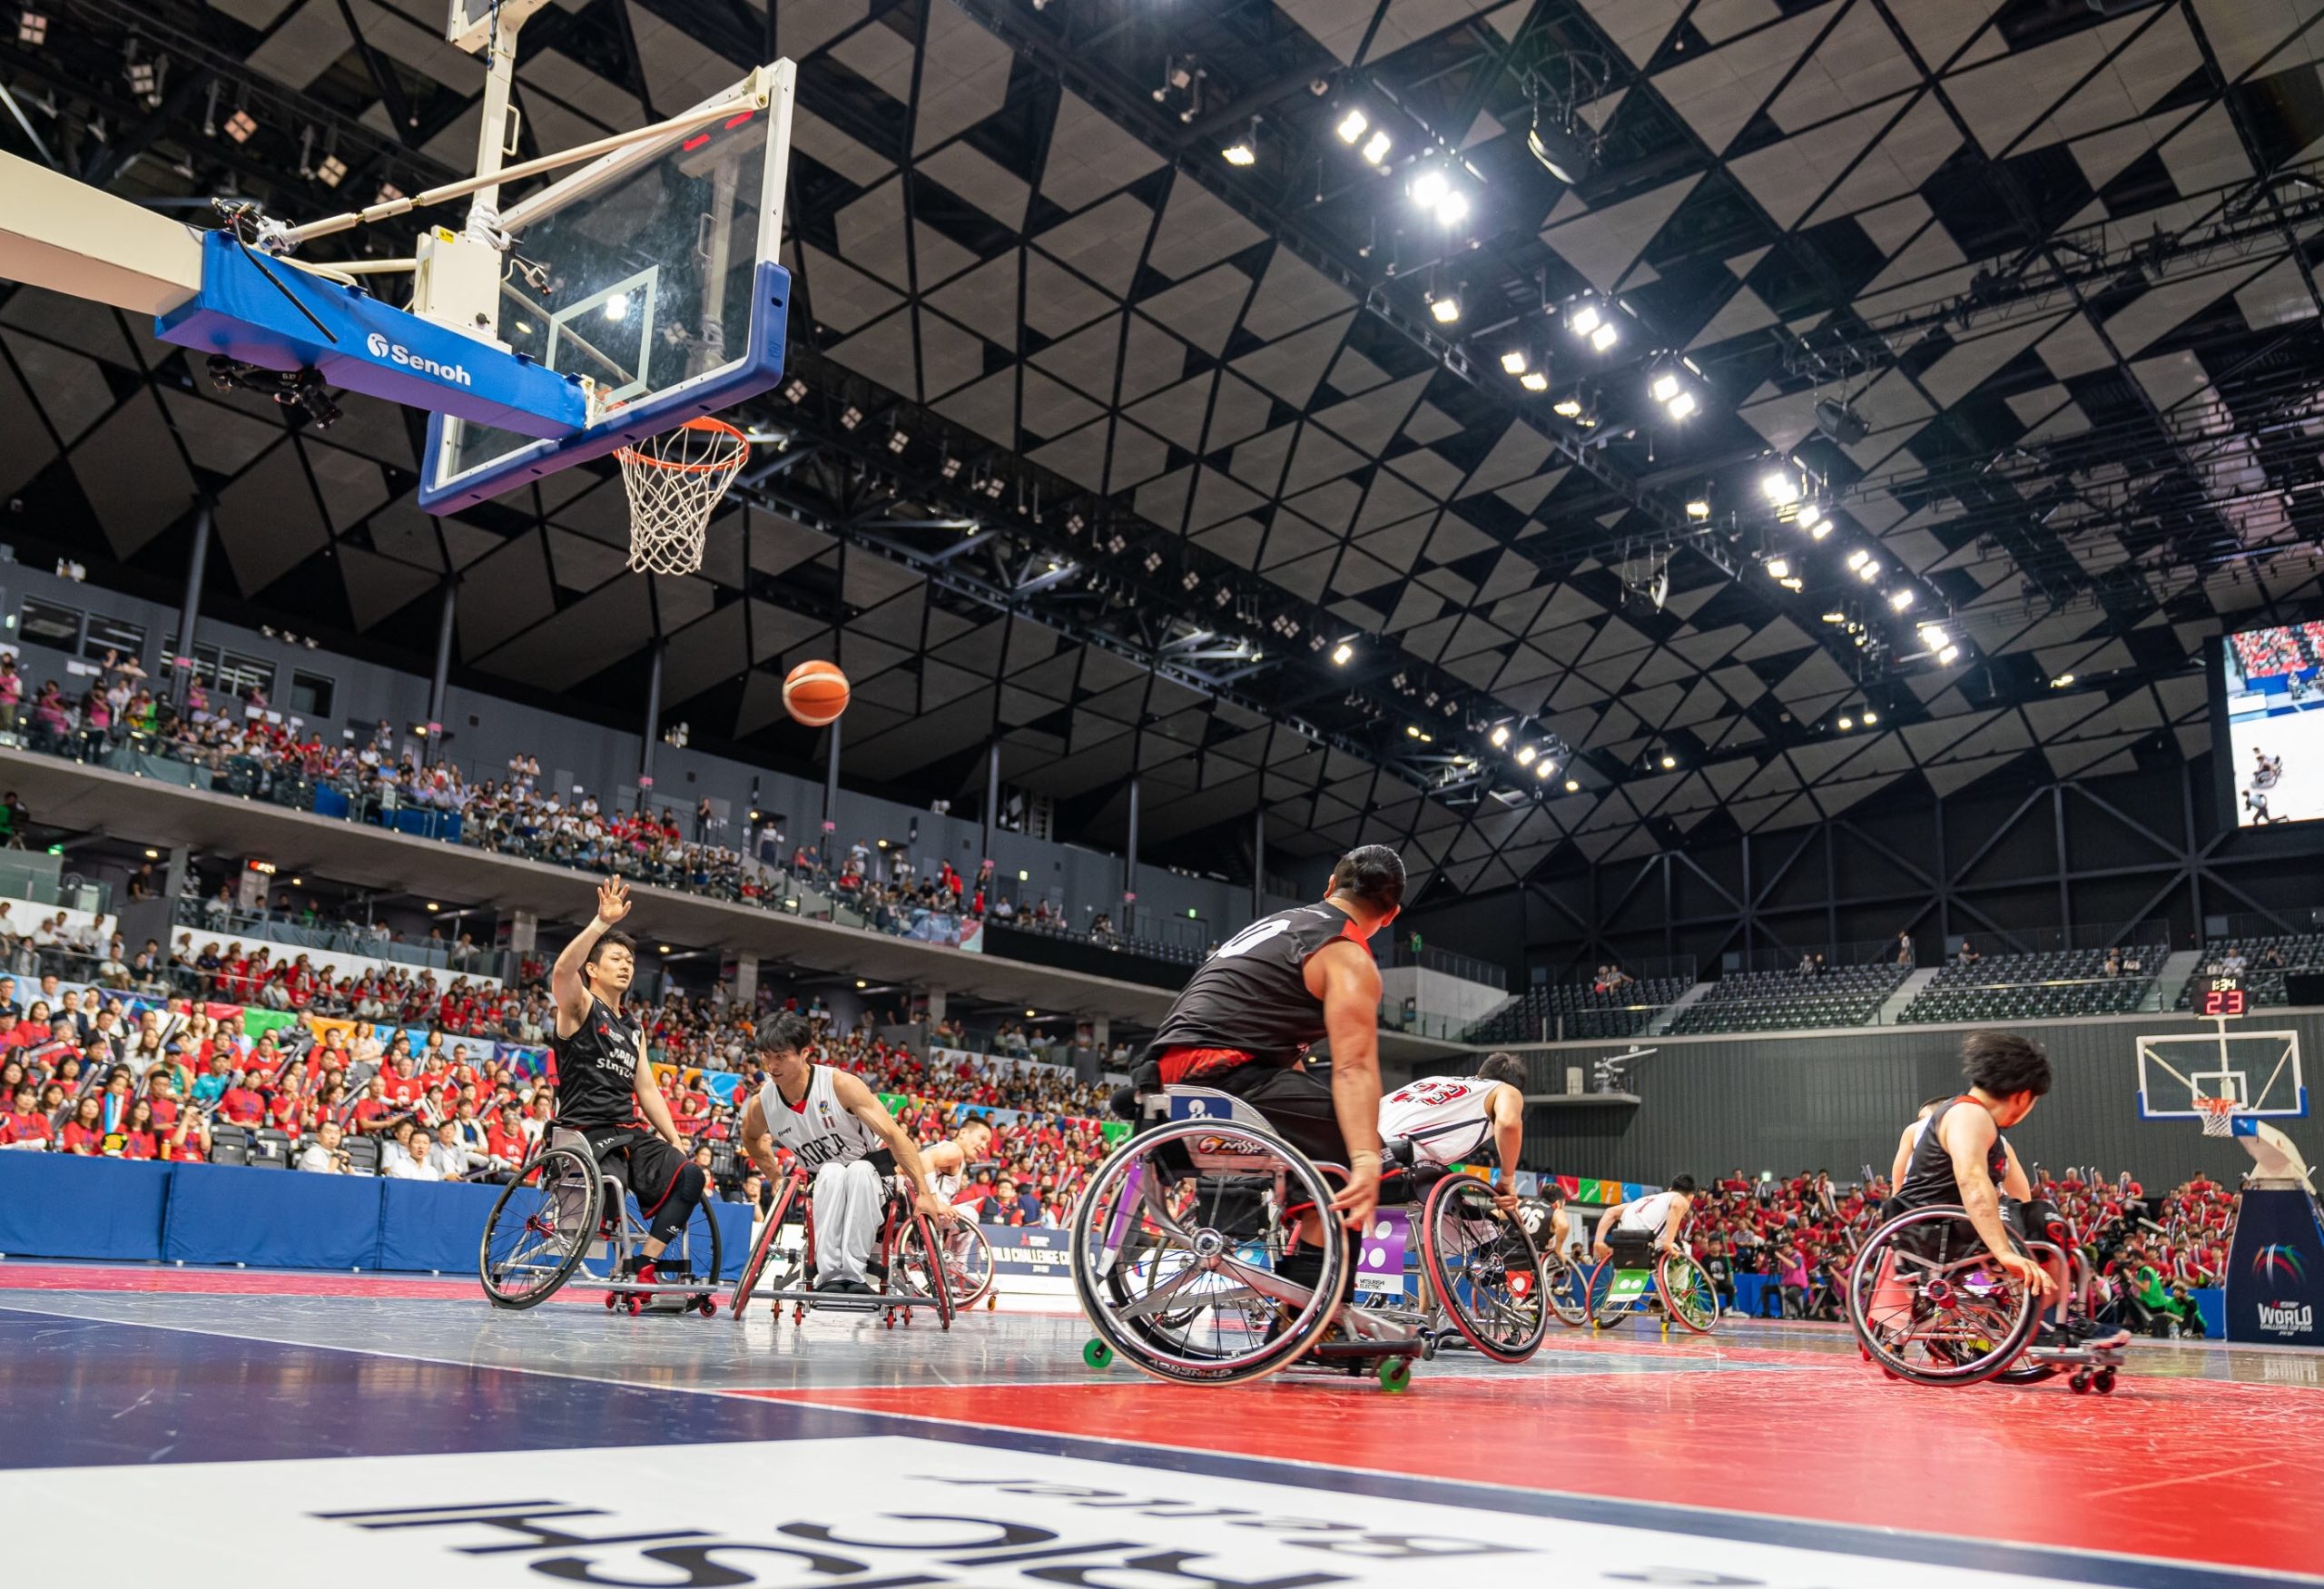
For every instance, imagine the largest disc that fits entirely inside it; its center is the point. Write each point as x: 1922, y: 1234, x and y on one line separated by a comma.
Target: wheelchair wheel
x: 765, y: 1251
x: 1597, y: 1296
x: 910, y: 1274
x: 697, y: 1246
x: 1565, y: 1286
x: 1687, y: 1295
x: 1929, y: 1303
x: 540, y: 1227
x: 1482, y: 1269
x: 967, y: 1261
x: 2023, y: 1373
x: 1178, y: 1244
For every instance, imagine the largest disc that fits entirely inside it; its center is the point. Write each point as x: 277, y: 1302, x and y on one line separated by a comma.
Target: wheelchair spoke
x: 1154, y: 1300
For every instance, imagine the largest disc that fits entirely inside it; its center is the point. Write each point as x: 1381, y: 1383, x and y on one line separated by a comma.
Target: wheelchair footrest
x: 835, y: 1301
x: 1343, y: 1350
x: 2075, y: 1357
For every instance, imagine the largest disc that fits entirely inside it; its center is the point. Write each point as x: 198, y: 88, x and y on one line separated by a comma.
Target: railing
x: 1643, y: 968
x: 1399, y: 951
x: 2058, y: 939
x: 340, y: 938
x: 2305, y: 921
x: 1787, y: 957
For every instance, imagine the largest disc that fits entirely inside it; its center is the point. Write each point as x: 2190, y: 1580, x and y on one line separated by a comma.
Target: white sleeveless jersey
x: 1646, y: 1216
x: 819, y: 1131
x: 1444, y: 1116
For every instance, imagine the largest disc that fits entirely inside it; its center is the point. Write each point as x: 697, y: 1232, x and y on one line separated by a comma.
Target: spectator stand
x: 1618, y: 1000
x: 2020, y: 977
x: 2258, y: 950
x: 1797, y: 988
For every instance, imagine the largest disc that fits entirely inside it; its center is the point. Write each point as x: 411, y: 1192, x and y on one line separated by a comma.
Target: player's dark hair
x: 2005, y: 1064
x: 1374, y: 875
x: 784, y: 1033
x: 1506, y: 1067
x: 1551, y: 1192
x: 1685, y: 1183
x: 612, y: 938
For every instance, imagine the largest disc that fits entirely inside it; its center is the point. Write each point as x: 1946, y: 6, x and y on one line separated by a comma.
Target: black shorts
x: 648, y: 1165
x: 1297, y: 1105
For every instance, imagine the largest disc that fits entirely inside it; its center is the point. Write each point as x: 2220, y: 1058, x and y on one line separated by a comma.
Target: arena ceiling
x: 1205, y: 422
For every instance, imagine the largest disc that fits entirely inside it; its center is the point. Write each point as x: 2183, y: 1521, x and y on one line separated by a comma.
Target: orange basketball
x: 815, y: 693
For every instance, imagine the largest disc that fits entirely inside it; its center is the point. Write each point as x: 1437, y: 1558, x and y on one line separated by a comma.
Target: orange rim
x: 630, y: 454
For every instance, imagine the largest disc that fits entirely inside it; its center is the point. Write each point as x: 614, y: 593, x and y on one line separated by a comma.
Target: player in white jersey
x: 1447, y: 1118
x: 1634, y: 1231
x: 947, y: 1161
x: 832, y: 1124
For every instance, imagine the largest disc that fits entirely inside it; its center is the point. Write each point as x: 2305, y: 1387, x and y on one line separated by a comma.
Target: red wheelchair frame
x: 898, y: 1293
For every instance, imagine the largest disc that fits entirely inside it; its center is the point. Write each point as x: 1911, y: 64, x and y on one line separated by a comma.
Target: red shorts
x: 1193, y: 1064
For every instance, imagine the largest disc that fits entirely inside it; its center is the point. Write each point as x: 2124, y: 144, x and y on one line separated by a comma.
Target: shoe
x: 639, y: 1271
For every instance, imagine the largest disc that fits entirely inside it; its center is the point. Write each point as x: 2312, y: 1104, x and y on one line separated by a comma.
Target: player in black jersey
x: 1961, y: 1157
x: 603, y: 1079
x: 1250, y: 1012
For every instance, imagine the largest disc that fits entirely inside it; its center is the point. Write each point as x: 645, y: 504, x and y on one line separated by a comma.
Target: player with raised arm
x: 833, y: 1124
x: 604, y: 1081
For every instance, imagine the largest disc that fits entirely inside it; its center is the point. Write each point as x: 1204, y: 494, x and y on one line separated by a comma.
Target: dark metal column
x: 652, y: 728
x: 830, y: 799
x: 991, y: 804
x: 440, y: 682
x: 1130, y: 863
x: 1259, y: 861
x: 190, y: 606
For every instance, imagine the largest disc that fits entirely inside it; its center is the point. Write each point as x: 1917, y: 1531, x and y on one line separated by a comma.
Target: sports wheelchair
x: 1641, y: 1277
x: 900, y: 1266
x: 1929, y: 1304
x: 1565, y: 1284
x: 1180, y: 1239
x: 560, y: 1208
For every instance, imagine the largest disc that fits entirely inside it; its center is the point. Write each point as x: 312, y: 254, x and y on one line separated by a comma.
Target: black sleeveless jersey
x: 596, y: 1070
x: 1929, y: 1173
x: 1252, y: 993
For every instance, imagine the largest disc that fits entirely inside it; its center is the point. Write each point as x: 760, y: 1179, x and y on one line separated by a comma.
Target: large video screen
x: 2272, y: 697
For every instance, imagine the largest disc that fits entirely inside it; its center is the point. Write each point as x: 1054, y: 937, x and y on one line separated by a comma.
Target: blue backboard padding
x: 758, y: 369
x: 249, y: 309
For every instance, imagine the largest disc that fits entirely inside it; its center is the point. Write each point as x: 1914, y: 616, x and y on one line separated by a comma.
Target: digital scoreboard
x: 2221, y: 998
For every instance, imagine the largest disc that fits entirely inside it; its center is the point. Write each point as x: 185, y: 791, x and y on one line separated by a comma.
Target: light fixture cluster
x: 1591, y: 323
x: 1436, y: 192
x: 1355, y: 129
x: 1670, y: 389
x: 1940, y: 645
x: 1540, y: 758
x: 31, y: 30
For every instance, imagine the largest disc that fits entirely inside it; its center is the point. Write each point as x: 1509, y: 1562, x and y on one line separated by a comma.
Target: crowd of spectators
x: 2266, y: 653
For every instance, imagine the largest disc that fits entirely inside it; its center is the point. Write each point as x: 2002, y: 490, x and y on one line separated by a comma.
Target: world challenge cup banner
x: 2275, y: 1270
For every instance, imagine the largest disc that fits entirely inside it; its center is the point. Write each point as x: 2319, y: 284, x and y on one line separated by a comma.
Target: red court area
x: 197, y: 1282
x: 2181, y: 1468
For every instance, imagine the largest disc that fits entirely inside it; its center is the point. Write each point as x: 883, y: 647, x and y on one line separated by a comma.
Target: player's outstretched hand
x: 936, y: 1208
x: 613, y: 900
x: 2026, y: 1270
x: 1600, y: 1251
x: 1361, y: 1196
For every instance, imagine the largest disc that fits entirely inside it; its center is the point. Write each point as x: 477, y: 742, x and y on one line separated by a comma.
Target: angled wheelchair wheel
x: 1565, y: 1286
x: 913, y: 1278
x: 1687, y: 1296
x: 1482, y: 1269
x: 1178, y: 1246
x: 765, y: 1251
x: 1929, y: 1303
x: 1598, y: 1297
x: 540, y: 1227
x: 2022, y: 1372
x: 967, y: 1259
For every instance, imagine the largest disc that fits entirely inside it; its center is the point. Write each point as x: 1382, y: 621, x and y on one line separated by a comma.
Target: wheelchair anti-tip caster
x: 2103, y: 1382
x: 2080, y: 1382
x: 635, y: 1305
x: 1396, y: 1374
x: 706, y: 1306
x: 1096, y: 1353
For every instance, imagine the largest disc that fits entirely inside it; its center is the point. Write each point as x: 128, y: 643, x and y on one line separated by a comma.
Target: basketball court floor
x: 224, y: 1426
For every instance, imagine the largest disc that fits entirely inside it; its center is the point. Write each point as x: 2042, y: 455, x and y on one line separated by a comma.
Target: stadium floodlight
x: 1604, y: 337
x: 1847, y: 723
x: 1429, y: 188
x: 1698, y: 509
x: 1681, y: 406
x: 1901, y: 600
x: 1342, y: 652
x: 1584, y: 320
x: 1858, y: 559
x: 1869, y: 573
x: 1376, y: 147
x: 1514, y: 361
x: 1778, y: 568
x: 1533, y: 380
x: 1444, y: 309
x: 1669, y: 762
x: 1545, y: 769
x: 1572, y: 787
x: 1949, y: 655
x: 1665, y: 387
x: 1353, y: 126
x: 1499, y: 736
x: 1870, y: 716
x: 1567, y: 408
x: 1525, y: 754
x: 1779, y: 488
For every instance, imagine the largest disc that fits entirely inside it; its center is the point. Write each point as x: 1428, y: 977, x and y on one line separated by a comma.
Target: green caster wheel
x: 1396, y: 1374
x: 1096, y: 1353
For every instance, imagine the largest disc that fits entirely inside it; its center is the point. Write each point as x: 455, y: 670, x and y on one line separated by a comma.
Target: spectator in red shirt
x: 401, y: 1086
x: 139, y: 1139
x: 505, y: 1139
x: 373, y: 1112
x: 23, y: 1126
x: 242, y: 1104
x: 84, y: 1133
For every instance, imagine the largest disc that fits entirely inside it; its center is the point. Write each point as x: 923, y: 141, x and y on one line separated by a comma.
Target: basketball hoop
x: 674, y: 482
x: 2219, y: 1115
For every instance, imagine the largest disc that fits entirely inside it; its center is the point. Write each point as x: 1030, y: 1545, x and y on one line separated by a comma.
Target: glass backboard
x: 651, y: 272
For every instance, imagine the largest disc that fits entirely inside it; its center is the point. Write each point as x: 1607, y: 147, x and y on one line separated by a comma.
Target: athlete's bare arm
x: 1967, y: 1134
x: 1680, y: 1207
x: 650, y: 1101
x: 864, y: 1104
x: 1599, y: 1248
x: 945, y: 1157
x: 1507, y: 1112
x: 1903, y: 1158
x: 758, y: 1142
x: 2013, y: 1180
x: 1346, y: 977
x: 565, y: 983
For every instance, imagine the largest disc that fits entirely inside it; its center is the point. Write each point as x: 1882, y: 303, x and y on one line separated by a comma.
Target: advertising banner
x: 2275, y: 1270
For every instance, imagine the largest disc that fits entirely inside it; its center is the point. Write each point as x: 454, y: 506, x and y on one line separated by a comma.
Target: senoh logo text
x: 378, y: 345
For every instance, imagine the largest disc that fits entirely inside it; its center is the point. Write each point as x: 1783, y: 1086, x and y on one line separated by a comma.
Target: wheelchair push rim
x: 1565, y: 1286
x: 1940, y: 1317
x: 1687, y: 1293
x: 1167, y: 1271
x: 1482, y: 1269
x: 540, y: 1227
x: 1597, y: 1296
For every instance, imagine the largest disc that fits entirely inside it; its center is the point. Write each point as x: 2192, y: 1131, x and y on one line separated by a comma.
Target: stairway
x: 1661, y: 1023
x: 2172, y: 979
x: 1893, y: 1010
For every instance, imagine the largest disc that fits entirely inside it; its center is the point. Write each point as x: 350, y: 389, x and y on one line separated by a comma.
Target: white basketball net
x: 674, y: 481
x: 2219, y: 1116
